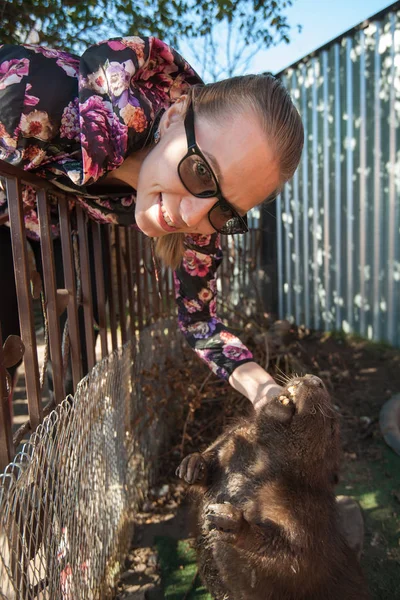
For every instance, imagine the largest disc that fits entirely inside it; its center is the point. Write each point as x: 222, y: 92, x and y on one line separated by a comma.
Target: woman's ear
x: 174, y: 114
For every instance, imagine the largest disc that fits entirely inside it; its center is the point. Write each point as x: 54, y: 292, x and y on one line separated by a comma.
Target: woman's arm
x: 255, y: 383
x: 216, y: 344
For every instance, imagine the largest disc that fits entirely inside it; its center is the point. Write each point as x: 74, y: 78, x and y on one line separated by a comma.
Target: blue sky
x: 321, y: 20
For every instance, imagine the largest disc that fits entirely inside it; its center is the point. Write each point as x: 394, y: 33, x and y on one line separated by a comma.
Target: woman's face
x: 236, y: 150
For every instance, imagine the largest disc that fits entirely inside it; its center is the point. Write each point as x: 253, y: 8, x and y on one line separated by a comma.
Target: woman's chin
x: 146, y: 226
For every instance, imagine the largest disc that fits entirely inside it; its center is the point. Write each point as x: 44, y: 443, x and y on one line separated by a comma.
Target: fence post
x: 70, y: 284
x: 100, y: 285
x: 25, y: 308
x: 87, y: 297
x: 50, y: 289
x: 6, y: 442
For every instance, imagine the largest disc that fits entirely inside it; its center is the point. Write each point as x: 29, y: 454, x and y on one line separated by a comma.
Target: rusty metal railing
x: 115, y: 284
x: 124, y: 298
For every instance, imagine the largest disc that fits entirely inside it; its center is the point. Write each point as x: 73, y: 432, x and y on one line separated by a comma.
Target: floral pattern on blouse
x: 196, y: 293
x: 73, y: 119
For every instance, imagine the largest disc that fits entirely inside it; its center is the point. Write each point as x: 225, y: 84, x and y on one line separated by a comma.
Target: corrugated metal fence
x: 338, y: 220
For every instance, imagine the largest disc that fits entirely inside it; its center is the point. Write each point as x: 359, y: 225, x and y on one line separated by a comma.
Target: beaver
x: 265, y: 504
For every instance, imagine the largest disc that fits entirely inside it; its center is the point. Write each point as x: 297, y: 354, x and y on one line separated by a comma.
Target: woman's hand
x: 255, y: 383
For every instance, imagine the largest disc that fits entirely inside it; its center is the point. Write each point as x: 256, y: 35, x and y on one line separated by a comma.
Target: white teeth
x: 292, y: 390
x: 166, y: 216
x: 284, y: 399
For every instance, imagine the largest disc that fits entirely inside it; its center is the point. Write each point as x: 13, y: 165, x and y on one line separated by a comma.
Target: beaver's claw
x: 192, y: 469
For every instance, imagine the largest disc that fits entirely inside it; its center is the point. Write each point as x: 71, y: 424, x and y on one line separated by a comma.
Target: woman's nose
x: 194, y: 209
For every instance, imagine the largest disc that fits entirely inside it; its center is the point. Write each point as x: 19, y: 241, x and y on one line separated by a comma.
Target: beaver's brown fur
x: 264, y: 493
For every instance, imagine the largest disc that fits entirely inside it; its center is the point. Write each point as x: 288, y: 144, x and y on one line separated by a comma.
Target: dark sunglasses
x: 199, y: 179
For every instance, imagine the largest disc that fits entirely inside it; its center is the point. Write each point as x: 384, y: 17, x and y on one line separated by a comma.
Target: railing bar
x: 87, y: 298
x: 144, y: 277
x: 227, y: 267
x: 120, y: 280
x: 222, y: 268
x: 50, y: 288
x: 155, y: 285
x: 100, y: 286
x: 167, y: 292
x: 129, y: 277
x: 139, y: 279
x: 26, y: 428
x: 25, y: 308
x: 110, y: 287
x: 24, y: 177
x: 6, y: 442
x: 70, y: 284
x: 165, y: 289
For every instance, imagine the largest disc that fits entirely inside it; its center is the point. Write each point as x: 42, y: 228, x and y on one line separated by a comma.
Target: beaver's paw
x: 225, y: 518
x: 192, y: 469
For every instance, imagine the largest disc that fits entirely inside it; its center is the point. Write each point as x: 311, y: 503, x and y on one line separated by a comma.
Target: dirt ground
x: 360, y: 375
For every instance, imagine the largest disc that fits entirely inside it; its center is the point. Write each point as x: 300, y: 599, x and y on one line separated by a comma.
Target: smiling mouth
x: 165, y: 216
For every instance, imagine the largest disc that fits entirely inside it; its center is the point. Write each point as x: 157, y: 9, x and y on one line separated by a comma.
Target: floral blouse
x: 73, y: 119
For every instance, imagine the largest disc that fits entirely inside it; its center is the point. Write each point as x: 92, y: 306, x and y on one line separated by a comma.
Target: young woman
x: 131, y: 130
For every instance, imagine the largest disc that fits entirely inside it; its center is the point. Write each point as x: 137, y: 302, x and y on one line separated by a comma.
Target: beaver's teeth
x: 284, y: 399
x: 292, y: 390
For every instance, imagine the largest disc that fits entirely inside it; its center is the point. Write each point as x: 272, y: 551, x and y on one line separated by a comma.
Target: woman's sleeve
x: 195, y: 291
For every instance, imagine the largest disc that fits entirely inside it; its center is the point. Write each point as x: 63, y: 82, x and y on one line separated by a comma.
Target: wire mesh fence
x: 67, y: 500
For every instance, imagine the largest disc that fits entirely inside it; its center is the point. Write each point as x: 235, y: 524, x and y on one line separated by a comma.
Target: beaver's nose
x: 314, y: 380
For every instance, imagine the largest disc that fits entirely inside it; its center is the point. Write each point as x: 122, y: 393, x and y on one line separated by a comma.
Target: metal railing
x: 126, y: 300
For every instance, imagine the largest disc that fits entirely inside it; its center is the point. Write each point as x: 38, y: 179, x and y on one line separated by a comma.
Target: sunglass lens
x: 225, y: 221
x: 197, y: 177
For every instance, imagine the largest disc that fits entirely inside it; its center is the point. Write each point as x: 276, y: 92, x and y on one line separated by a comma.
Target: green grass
x: 374, y: 485
x: 178, y: 569
x: 349, y: 338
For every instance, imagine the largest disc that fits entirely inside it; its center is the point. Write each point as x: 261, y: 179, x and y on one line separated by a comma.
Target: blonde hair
x: 272, y: 104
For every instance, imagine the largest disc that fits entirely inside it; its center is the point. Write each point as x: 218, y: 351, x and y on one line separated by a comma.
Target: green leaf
x: 75, y: 24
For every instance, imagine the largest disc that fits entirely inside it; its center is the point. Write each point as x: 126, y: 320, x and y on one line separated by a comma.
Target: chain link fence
x: 68, y: 498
